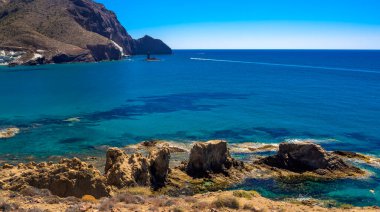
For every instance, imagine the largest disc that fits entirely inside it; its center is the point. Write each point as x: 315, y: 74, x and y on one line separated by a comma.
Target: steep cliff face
x: 45, y: 31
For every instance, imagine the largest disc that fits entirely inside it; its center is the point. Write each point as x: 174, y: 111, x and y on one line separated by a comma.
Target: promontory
x: 45, y: 31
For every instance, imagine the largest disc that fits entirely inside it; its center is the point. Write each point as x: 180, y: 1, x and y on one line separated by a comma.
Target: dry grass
x: 177, y: 209
x: 4, y: 206
x: 246, y: 194
x: 161, y: 201
x: 190, y: 199
x: 200, y: 206
x: 250, y: 206
x: 129, y: 198
x: 144, y: 191
x: 225, y: 201
x: 107, y: 204
x: 346, y: 206
x: 32, y: 191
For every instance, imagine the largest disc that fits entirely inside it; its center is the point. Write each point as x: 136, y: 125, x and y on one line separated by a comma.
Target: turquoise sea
x: 266, y: 96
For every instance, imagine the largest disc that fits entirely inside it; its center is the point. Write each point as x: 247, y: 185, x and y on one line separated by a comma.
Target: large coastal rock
x: 45, y: 31
x: 309, y: 157
x: 159, y: 166
x: 210, y: 157
x: 124, y: 170
x: 67, y: 178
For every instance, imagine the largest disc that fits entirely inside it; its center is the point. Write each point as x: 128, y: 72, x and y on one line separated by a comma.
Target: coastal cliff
x: 44, y: 31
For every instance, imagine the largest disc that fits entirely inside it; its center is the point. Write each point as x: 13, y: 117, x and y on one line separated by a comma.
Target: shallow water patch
x: 346, y: 191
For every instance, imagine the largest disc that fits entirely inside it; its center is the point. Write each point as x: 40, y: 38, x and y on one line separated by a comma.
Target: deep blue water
x: 241, y: 96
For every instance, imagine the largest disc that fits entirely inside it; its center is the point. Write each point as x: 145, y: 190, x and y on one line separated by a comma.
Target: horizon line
x: 203, y: 49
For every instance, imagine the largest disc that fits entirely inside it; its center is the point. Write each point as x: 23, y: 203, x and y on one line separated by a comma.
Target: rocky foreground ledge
x: 147, y: 180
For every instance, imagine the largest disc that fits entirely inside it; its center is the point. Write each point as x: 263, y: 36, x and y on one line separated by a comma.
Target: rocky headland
x: 143, y: 177
x: 43, y: 31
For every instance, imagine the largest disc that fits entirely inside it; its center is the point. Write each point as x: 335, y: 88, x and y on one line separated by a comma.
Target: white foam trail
x: 287, y: 65
x: 317, y: 141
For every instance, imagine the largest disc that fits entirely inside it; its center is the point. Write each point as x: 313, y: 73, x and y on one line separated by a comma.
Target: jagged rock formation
x: 159, y: 166
x: 210, y: 157
x: 44, y: 31
x: 309, y: 157
x: 124, y: 170
x: 209, y: 162
x: 67, y: 178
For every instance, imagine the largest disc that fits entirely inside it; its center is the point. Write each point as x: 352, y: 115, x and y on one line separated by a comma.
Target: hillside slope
x: 45, y: 31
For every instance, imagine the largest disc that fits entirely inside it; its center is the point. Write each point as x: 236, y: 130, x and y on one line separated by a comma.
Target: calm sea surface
x: 266, y: 96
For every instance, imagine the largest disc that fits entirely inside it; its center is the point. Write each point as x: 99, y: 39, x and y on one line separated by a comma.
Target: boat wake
x: 317, y: 141
x: 287, y: 65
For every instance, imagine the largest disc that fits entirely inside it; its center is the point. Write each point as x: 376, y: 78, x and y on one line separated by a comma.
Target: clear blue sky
x: 254, y: 24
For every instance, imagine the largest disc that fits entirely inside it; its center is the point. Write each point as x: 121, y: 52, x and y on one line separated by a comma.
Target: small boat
x: 151, y: 59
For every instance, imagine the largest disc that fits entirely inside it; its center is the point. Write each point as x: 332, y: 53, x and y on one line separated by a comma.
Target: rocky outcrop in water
x: 210, y: 157
x: 43, y: 31
x: 304, y: 157
x: 124, y: 170
x: 9, y: 132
